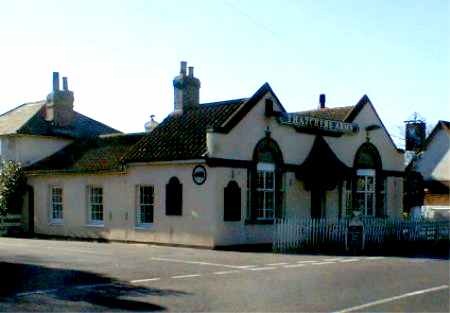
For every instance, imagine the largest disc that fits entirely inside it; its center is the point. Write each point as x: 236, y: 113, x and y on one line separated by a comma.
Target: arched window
x: 174, y: 197
x: 232, y: 202
x: 368, y: 189
x: 266, y: 181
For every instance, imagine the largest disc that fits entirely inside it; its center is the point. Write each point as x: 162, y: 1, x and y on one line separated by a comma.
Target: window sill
x: 56, y: 223
x: 259, y: 222
x: 143, y: 227
x: 96, y: 225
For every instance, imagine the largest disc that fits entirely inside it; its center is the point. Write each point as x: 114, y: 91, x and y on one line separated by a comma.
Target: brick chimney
x: 186, y: 89
x: 59, y: 105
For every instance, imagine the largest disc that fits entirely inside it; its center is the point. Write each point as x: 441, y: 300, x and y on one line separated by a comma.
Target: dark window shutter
x: 232, y: 202
x: 174, y: 197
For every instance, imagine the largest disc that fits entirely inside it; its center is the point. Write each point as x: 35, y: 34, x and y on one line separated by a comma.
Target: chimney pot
x: 191, y: 71
x: 183, y: 66
x: 65, y: 84
x: 322, y: 101
x: 55, y: 81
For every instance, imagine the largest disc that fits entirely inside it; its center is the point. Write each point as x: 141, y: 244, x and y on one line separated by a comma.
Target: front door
x: 318, y: 202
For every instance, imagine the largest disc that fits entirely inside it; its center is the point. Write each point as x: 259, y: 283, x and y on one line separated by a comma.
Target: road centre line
x: 308, y: 261
x: 261, y: 268
x: 201, y: 263
x: 386, y: 300
x: 320, y: 263
x: 226, y: 272
x: 186, y: 276
x: 136, y: 281
x: 294, y: 265
x: 374, y: 257
x: 333, y: 259
x: 349, y: 260
x: 277, y: 264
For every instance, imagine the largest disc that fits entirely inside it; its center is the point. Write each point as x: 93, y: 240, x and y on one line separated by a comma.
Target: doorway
x: 318, y: 203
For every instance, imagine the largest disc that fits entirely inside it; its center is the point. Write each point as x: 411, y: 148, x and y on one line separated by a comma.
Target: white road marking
x: 186, y: 276
x: 309, y: 261
x: 277, y: 264
x: 386, y: 300
x: 36, y: 292
x: 320, y: 263
x: 349, y: 260
x: 262, y: 268
x: 244, y: 266
x: 374, y: 257
x: 333, y: 260
x: 200, y: 263
x: 226, y: 272
x: 294, y: 265
x: 136, y: 281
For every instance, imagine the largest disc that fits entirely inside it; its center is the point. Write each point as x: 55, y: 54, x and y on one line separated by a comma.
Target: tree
x: 12, y: 187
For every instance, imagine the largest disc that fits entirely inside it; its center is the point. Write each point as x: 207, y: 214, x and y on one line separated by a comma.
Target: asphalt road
x: 45, y: 275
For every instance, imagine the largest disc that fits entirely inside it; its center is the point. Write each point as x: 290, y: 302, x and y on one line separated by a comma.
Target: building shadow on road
x: 73, y: 288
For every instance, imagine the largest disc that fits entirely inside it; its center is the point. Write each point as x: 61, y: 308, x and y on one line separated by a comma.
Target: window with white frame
x: 365, y: 191
x: 56, y: 204
x: 265, y: 191
x: 95, y: 205
x: 145, y: 205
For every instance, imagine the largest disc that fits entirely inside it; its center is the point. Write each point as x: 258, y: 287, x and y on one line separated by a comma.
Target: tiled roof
x: 29, y: 119
x: 102, y: 153
x: 337, y: 114
x: 13, y: 120
x: 182, y: 136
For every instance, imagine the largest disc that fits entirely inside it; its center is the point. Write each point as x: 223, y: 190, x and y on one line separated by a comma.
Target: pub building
x: 219, y: 174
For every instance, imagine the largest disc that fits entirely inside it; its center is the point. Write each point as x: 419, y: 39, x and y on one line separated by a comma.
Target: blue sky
x: 121, y: 56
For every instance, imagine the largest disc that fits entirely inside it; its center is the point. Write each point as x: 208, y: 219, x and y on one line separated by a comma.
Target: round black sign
x: 199, y: 174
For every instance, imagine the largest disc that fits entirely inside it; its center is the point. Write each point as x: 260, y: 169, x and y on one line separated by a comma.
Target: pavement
x: 57, y: 275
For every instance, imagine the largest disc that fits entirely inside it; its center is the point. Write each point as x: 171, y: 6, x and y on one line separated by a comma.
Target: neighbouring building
x: 217, y: 174
x: 433, y: 164
x: 36, y: 130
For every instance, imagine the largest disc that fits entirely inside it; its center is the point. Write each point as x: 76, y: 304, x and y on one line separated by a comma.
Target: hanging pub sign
x: 314, y: 124
x: 415, y: 135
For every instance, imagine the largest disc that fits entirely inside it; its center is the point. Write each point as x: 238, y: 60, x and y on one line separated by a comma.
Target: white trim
x: 55, y: 221
x: 90, y: 221
x: 92, y: 224
x: 137, y: 206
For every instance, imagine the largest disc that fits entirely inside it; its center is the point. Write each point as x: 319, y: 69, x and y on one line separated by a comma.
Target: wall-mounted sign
x: 309, y: 123
x: 199, y: 175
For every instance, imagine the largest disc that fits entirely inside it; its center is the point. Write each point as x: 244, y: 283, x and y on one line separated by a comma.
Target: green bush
x: 12, y: 187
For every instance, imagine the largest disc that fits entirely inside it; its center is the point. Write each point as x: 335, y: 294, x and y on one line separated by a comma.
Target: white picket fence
x: 314, y: 234
x: 9, y: 221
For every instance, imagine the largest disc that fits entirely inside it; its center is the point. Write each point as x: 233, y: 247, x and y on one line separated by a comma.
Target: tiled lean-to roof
x: 102, y: 153
x: 29, y: 118
x: 182, y: 136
